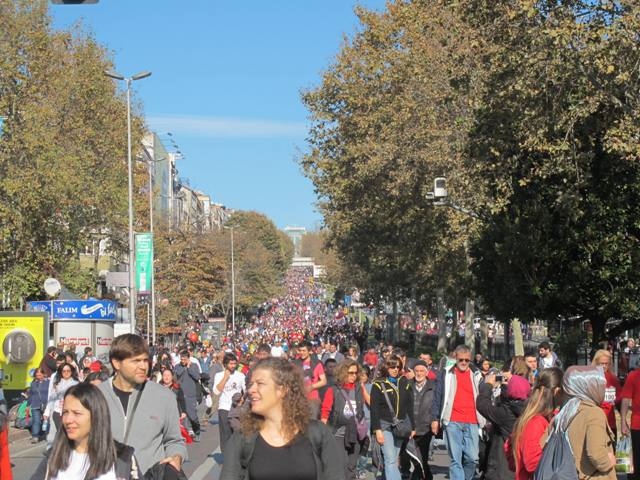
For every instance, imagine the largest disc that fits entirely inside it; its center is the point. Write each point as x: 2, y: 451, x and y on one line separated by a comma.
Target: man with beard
x: 144, y: 410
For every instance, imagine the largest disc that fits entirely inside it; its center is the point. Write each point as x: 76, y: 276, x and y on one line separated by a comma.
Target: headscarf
x: 582, y: 384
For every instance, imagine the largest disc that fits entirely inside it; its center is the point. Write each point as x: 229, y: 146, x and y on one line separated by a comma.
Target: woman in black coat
x: 502, y: 412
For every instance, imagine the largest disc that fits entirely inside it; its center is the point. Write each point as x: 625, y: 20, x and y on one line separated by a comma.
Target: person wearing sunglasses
x: 342, y: 409
x: 454, y: 410
x: 392, y: 407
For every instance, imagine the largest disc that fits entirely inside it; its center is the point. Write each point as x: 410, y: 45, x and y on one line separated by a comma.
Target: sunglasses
x: 353, y: 373
x: 464, y: 360
x: 393, y: 368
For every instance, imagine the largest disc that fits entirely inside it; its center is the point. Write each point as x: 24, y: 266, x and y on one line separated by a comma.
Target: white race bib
x: 610, y: 395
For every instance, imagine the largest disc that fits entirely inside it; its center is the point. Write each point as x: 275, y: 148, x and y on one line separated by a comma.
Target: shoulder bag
x: 361, y: 424
x: 399, y: 428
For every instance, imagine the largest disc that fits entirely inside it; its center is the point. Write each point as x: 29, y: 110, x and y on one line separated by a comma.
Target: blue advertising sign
x: 76, y: 309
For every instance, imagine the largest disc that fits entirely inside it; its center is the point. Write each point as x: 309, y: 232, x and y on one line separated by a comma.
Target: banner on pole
x: 144, y: 262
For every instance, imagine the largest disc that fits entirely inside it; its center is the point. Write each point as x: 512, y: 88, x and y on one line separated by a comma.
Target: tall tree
x: 62, y: 149
x: 391, y: 114
x: 555, y: 150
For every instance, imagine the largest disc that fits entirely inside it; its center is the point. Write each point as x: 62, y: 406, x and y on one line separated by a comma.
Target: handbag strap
x: 386, y: 397
x: 133, y: 411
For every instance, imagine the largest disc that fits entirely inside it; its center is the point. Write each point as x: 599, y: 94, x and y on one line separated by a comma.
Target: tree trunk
x: 392, y: 324
x: 469, y: 334
x: 597, y: 328
x: 442, y: 324
x: 507, y: 339
x: 484, y: 337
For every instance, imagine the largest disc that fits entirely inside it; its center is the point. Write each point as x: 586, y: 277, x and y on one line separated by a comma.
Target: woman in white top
x: 84, y: 448
x: 66, y: 376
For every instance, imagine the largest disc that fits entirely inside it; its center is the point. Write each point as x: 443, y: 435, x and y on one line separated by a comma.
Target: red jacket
x: 609, y: 407
x: 530, y: 447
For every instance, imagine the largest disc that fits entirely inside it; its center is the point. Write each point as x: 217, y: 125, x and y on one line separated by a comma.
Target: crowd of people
x: 300, y: 394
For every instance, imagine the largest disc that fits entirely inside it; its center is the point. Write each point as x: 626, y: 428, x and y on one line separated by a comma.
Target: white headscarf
x: 583, y: 384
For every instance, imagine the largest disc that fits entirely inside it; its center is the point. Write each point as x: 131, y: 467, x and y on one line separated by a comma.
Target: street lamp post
x: 233, y: 286
x: 132, y: 282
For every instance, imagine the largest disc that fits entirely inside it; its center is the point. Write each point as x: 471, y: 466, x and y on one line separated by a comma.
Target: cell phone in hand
x: 499, y: 378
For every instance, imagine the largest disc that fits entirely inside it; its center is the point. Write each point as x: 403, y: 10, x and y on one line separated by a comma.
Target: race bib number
x: 610, y: 395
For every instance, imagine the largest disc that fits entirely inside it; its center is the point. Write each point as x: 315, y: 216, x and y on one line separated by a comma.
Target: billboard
x: 24, y: 339
x: 76, y: 309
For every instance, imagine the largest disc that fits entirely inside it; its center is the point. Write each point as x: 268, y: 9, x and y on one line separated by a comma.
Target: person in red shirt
x: 612, y: 398
x: 314, y: 376
x: 454, y: 409
x: 630, y: 391
x: 529, y: 431
x: 371, y: 358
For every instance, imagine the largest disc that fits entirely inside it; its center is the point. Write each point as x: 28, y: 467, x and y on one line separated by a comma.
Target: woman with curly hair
x: 278, y: 439
x: 342, y: 407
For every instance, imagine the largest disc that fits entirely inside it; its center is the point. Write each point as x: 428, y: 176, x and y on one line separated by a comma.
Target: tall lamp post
x: 150, y: 165
x: 233, y: 286
x: 132, y: 282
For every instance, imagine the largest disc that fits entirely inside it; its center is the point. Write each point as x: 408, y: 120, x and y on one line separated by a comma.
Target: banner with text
x: 144, y: 262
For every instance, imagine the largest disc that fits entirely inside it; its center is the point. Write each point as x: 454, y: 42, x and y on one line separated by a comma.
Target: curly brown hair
x: 296, y: 410
x: 341, y: 374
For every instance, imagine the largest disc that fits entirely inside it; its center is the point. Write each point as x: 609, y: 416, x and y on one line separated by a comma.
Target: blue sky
x: 227, y: 76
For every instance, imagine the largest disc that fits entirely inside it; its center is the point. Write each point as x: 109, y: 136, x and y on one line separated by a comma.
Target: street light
x: 132, y: 283
x: 150, y: 163
x: 233, y: 285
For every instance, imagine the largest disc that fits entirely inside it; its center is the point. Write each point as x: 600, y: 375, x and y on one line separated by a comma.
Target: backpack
x: 23, y: 416
x: 557, y: 462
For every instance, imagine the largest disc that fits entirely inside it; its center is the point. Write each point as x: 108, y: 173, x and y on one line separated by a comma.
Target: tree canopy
x: 530, y: 109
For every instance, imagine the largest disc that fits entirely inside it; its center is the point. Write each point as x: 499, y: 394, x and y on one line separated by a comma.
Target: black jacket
x: 403, y: 406
x: 239, y: 450
x: 422, y: 406
x: 502, y: 415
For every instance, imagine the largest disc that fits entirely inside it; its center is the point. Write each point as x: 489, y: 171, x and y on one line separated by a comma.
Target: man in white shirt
x: 277, y: 350
x: 225, y: 385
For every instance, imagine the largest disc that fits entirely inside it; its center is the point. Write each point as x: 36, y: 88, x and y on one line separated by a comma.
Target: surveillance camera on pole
x: 440, y: 188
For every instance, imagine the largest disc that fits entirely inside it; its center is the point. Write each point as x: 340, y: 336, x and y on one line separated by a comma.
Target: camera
x: 499, y: 378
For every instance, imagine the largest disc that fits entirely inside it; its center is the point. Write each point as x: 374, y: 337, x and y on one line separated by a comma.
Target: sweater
x: 155, y: 431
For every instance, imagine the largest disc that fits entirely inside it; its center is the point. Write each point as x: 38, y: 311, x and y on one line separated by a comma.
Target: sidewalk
x: 16, y: 434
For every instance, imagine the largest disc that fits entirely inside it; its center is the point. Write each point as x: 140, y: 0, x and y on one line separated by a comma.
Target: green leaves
x: 62, y: 150
x: 530, y: 109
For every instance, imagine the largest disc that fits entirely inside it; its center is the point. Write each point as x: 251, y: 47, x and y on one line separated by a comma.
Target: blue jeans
x: 36, y: 422
x: 390, y: 453
x: 462, y: 446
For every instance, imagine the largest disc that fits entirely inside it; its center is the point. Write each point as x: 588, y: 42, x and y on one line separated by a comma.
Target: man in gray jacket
x: 189, y: 378
x: 144, y: 412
